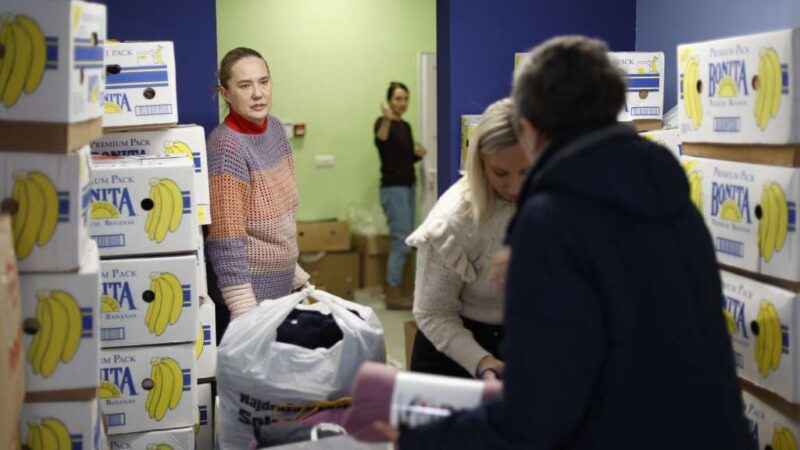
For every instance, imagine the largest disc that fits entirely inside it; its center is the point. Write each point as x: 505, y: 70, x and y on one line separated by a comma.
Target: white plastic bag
x: 257, y: 377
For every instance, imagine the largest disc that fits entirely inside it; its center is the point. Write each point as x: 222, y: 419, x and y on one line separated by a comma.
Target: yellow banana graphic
x: 38, y: 52
x: 108, y: 389
x: 37, y: 214
x: 59, y: 335
x: 167, y: 387
x: 108, y: 304
x: 176, y: 298
x: 178, y: 148
x: 774, y: 222
x: 159, y: 447
x: 199, y: 343
x: 789, y: 442
x: 733, y: 329
x: 695, y: 189
x: 167, y: 209
x: 777, y: 337
x: 9, y: 53
x: 101, y: 209
x: 769, y: 339
x: 167, y: 306
x: 730, y: 211
x: 691, y: 97
x: 48, y: 434
x: 24, y: 59
x: 783, y: 214
x: 769, y: 88
x: 111, y: 108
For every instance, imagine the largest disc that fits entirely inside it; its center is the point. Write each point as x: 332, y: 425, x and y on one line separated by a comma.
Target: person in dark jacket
x: 615, y: 334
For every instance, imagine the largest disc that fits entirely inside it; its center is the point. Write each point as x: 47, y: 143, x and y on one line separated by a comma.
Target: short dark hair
x: 568, y: 84
x: 395, y: 85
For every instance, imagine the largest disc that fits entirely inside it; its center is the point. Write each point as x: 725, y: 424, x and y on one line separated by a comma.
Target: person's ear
x: 224, y: 93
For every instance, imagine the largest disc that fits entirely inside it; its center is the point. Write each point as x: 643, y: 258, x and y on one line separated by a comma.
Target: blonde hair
x: 495, y: 132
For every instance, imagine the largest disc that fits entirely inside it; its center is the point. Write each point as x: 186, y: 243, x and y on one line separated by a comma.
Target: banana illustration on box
x: 167, y: 305
x: 37, y: 213
x: 774, y: 222
x: 101, y: 209
x: 48, y: 434
x: 691, y: 95
x: 109, y: 304
x: 159, y: 447
x: 198, y: 343
x: 769, y: 339
x: 167, y: 390
x: 769, y: 87
x: 108, y: 389
x: 167, y: 209
x: 178, y: 148
x: 733, y: 329
x: 783, y: 439
x: 696, y: 189
x: 60, y: 329
x: 24, y: 58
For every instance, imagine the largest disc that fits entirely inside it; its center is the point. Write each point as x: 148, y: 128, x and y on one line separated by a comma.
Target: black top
x: 615, y: 333
x: 397, y: 154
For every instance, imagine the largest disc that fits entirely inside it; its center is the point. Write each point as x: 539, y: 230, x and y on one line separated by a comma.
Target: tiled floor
x: 392, y: 326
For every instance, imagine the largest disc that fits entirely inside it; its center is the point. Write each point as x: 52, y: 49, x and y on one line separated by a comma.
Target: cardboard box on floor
x: 323, y: 236
x: 374, y: 251
x: 410, y: 328
x: 335, y: 272
x: 12, y: 379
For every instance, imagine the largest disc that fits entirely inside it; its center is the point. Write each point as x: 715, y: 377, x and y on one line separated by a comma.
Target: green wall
x: 331, y: 62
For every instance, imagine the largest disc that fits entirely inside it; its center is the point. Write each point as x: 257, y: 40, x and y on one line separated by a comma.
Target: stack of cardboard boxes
x: 738, y: 123
x: 51, y: 108
x: 149, y: 197
x: 326, y: 254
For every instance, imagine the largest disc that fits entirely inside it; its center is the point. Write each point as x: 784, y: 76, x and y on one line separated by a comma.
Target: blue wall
x: 662, y: 25
x: 476, y: 42
x: 192, y: 26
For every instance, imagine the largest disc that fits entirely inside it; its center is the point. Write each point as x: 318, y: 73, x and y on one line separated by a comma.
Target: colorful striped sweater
x: 252, y: 241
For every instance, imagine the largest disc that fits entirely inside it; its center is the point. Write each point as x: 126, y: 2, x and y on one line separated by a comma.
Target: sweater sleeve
x: 554, y: 349
x: 437, y: 306
x: 229, y: 185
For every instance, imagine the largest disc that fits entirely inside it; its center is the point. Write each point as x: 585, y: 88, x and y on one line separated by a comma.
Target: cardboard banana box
x: 769, y: 426
x: 61, y: 341
x: 61, y: 425
x: 740, y: 90
x: 55, y: 74
x: 12, y: 374
x: 201, y: 265
x: 206, y: 354
x: 143, y: 205
x: 205, y: 431
x: 50, y: 198
x: 751, y: 211
x: 140, y: 85
x: 763, y: 321
x: 148, y: 301
x: 670, y: 139
x: 177, y: 439
x: 148, y: 388
x: 188, y: 140
x: 644, y: 77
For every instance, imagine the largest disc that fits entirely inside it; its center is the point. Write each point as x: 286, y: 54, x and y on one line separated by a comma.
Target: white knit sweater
x: 453, y: 260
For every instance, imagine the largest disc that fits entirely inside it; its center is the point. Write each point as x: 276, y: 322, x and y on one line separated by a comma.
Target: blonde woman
x: 458, y: 311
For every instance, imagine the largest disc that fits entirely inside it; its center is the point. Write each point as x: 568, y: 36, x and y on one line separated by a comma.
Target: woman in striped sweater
x: 252, y: 242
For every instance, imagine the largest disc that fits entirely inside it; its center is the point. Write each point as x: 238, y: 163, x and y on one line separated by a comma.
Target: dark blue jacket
x: 616, y: 338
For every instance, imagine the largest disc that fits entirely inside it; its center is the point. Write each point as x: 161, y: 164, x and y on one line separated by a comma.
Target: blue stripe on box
x: 187, y: 379
x: 137, y: 76
x: 207, y: 334
x: 643, y: 83
x: 187, y: 295
x: 187, y: 202
x: 203, y: 415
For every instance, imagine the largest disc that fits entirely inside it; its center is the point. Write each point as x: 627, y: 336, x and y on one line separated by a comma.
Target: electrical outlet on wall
x: 323, y: 161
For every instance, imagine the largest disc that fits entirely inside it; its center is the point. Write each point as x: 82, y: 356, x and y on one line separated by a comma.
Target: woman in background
x: 458, y: 311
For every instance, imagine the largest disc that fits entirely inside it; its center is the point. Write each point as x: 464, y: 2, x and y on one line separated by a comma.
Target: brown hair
x: 392, y: 87
x: 567, y: 85
x: 230, y: 59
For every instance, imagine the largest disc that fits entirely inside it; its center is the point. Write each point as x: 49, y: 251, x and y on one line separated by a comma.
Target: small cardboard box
x: 138, y: 386
x: 62, y: 342
x: 769, y: 421
x: 72, y: 425
x: 206, y: 355
x: 741, y: 202
x: 51, y: 193
x: 143, y: 205
x: 740, y: 90
x: 335, y: 272
x: 644, y: 76
x: 670, y: 139
x: 374, y: 250
x: 12, y: 375
x: 756, y: 312
x: 205, y: 432
x: 140, y: 85
x: 187, y: 140
x: 52, y: 101
x: 176, y: 439
x: 323, y: 236
x: 469, y: 127
x: 148, y: 301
